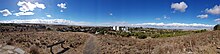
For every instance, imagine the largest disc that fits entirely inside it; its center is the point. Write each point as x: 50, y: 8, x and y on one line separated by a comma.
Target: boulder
x: 20, y: 51
x: 8, y: 47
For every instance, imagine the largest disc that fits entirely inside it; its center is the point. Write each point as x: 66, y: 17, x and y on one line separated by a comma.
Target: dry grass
x: 201, y: 43
x: 74, y: 41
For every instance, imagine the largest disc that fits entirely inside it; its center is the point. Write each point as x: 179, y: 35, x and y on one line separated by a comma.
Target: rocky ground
x: 8, y: 49
x: 52, y: 42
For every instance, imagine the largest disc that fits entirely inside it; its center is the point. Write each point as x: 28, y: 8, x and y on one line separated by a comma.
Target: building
x: 118, y: 28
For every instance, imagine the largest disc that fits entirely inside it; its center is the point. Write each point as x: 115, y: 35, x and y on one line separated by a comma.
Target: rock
x: 0, y: 45
x: 20, y: 51
x: 218, y: 47
x: 10, y: 51
x: 8, y: 47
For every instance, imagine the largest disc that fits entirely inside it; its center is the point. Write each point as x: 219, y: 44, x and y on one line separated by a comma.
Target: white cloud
x: 202, y: 16
x: 23, y: 13
x: 49, y: 16
x: 110, y: 14
x: 179, y: 6
x: 166, y: 17
x: 159, y: 24
x: 62, y: 5
x: 47, y: 21
x: 61, y: 10
x: 176, y: 24
x: 5, y: 12
x: 42, y: 6
x: 26, y: 8
x: 192, y: 26
x: 217, y: 20
x: 163, y: 17
x: 121, y: 23
x: 214, y: 10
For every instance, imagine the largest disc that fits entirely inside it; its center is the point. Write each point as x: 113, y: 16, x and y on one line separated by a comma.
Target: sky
x: 175, y: 13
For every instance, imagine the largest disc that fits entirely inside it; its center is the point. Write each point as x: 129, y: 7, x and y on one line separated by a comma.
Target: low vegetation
x: 198, y: 43
x: 155, y: 33
x: 137, y: 32
x: 39, y: 39
x: 217, y: 27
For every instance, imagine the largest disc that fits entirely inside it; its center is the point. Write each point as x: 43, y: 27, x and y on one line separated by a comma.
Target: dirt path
x: 91, y: 45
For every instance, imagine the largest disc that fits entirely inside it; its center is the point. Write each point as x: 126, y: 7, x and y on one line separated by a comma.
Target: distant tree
x: 217, y: 27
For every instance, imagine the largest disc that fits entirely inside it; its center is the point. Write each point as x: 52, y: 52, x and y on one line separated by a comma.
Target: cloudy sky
x: 191, y: 13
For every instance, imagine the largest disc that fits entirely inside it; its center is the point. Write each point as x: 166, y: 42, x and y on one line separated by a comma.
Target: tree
x: 217, y: 27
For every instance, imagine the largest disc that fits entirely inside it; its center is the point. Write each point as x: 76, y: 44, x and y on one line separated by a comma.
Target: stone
x: 8, y: 47
x: 10, y: 51
x: 0, y: 45
x: 20, y: 51
x: 218, y: 47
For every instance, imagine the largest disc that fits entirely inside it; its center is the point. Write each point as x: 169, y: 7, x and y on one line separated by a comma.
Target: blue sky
x: 116, y: 11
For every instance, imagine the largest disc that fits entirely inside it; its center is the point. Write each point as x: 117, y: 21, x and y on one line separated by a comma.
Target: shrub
x: 34, y: 50
x: 143, y: 36
x: 200, y: 31
x: 217, y: 27
x: 125, y: 34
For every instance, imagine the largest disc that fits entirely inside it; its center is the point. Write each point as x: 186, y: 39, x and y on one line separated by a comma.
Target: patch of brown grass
x: 201, y: 43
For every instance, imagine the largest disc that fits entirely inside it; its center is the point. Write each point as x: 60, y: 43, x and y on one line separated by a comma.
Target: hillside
x: 201, y: 43
x: 39, y: 39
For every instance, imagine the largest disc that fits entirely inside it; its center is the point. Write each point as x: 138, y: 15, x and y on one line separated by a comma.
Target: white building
x: 124, y: 29
x: 118, y: 28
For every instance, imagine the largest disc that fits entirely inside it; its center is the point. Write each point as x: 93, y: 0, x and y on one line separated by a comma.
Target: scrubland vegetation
x: 72, y: 39
x: 143, y: 33
x: 199, y: 43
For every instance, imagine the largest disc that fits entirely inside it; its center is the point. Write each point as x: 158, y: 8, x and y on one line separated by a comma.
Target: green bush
x: 125, y: 34
x: 142, y: 36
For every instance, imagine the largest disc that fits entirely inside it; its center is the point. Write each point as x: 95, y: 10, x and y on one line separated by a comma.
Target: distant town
x: 136, y: 32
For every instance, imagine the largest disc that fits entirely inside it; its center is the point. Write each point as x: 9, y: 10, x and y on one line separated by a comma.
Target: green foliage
x: 125, y: 34
x: 140, y: 35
